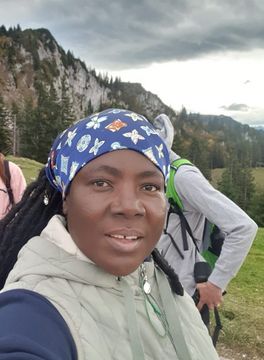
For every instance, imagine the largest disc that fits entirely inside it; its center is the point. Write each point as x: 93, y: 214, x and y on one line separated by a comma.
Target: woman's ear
x: 65, y: 207
x: 65, y: 202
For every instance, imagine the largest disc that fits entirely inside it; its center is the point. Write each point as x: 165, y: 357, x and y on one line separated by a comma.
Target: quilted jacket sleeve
x: 32, y: 329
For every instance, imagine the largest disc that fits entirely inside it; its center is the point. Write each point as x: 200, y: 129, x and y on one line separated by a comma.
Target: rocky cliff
x: 31, y: 56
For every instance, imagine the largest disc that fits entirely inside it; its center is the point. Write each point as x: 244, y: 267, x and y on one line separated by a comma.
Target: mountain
x: 213, y: 141
x: 225, y: 127
x: 43, y: 89
x: 31, y: 56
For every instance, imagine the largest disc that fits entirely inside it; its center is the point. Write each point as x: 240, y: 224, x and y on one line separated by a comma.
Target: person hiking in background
x: 200, y: 201
x: 12, y: 185
x: 88, y: 283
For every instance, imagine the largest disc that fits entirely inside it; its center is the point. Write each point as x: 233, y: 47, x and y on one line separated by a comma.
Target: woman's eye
x: 151, y: 187
x: 100, y: 183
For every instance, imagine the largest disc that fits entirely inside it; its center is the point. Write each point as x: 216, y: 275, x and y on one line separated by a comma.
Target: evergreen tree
x: 5, y: 134
x: 247, y: 187
x: 237, y: 182
x: 216, y: 156
x: 47, y: 117
x: 89, y: 109
x: 3, y: 30
x: 227, y: 184
x: 29, y: 130
x: 198, y: 154
x: 41, y: 124
x: 15, y: 120
x: 256, y: 210
x: 183, y: 116
x: 66, y: 114
x: 178, y: 145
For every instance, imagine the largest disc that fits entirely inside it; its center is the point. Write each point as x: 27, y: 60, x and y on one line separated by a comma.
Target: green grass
x: 259, y: 177
x: 242, y: 312
x: 258, y: 174
x: 30, y: 168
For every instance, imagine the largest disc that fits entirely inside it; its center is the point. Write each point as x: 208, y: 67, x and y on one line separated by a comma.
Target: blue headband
x: 109, y: 130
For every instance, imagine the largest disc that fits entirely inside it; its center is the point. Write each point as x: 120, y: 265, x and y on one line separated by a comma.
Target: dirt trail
x: 231, y: 354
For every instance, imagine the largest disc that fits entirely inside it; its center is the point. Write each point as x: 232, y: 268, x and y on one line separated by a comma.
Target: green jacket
x: 110, y: 318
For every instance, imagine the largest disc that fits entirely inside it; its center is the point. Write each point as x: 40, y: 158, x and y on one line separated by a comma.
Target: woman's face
x: 116, y: 209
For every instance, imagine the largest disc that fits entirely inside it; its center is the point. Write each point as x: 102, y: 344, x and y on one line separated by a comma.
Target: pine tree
x: 29, y: 130
x: 15, y: 119
x: 183, y: 116
x: 216, y: 156
x: 237, y: 182
x: 48, y: 120
x: 198, y: 154
x: 66, y: 114
x: 41, y: 124
x: 89, y: 109
x: 247, y: 187
x: 256, y: 210
x: 5, y: 134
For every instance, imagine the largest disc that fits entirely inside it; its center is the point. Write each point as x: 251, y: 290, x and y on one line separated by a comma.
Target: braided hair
x: 173, y: 278
x: 26, y: 220
x: 30, y: 216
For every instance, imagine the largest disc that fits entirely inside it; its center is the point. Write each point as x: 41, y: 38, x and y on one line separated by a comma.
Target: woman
x: 88, y: 284
x: 12, y: 185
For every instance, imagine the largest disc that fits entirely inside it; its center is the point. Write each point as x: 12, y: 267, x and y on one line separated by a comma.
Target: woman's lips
x: 124, y: 243
x: 128, y: 237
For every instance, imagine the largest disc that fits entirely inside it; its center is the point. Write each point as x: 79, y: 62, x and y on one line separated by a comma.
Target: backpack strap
x: 7, y: 182
x: 170, y: 236
x: 171, y: 192
x: 185, y: 227
x: 176, y: 205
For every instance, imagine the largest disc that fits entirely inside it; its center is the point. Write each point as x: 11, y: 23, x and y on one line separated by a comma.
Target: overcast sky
x: 206, y: 55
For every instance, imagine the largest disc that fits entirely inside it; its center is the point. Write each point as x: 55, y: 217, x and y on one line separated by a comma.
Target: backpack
x: 7, y: 182
x: 213, y: 237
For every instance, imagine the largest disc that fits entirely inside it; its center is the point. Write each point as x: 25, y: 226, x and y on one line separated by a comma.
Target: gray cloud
x: 132, y: 33
x: 236, y: 107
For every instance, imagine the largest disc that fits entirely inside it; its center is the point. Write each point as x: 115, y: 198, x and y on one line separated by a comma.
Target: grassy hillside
x: 258, y: 174
x: 242, y: 313
x: 29, y: 167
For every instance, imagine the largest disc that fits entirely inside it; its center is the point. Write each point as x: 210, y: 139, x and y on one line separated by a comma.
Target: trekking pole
x: 218, y: 327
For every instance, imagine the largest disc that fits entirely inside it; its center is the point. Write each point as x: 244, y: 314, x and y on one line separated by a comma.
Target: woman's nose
x: 128, y: 203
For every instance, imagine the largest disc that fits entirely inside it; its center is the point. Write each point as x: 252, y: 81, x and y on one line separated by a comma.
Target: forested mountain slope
x: 43, y: 89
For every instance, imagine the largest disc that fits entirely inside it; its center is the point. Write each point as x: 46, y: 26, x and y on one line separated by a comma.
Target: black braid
x: 26, y: 220
x: 173, y: 278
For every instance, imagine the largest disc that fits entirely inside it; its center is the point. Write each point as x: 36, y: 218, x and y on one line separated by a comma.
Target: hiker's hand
x: 210, y: 294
